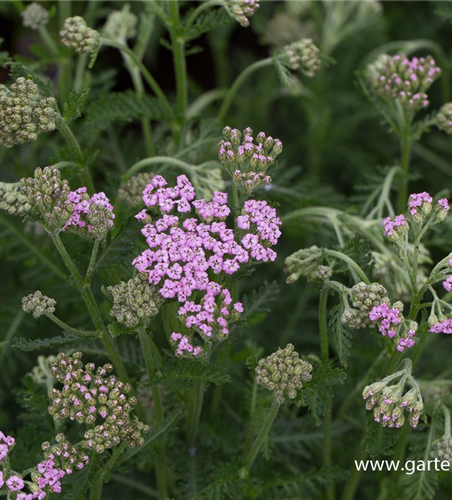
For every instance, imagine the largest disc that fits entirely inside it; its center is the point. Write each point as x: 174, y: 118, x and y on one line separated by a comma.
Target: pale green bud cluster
x: 301, y: 55
x: 283, y: 373
x: 24, y: 114
x: 304, y: 262
x: 76, y: 34
x: 12, y: 200
x: 34, y: 16
x: 47, y: 193
x: 131, y: 191
x: 442, y: 449
x: 443, y: 119
x: 364, y: 299
x: 120, y: 25
x: 38, y: 304
x: 96, y: 398
x: 389, y: 402
x: 67, y: 454
x: 324, y: 273
x: 134, y: 301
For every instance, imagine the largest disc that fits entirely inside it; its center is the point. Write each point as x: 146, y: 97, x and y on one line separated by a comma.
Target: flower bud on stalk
x: 131, y: 192
x: 76, y: 34
x: 304, y: 262
x: 444, y: 118
x: 301, y: 55
x: 34, y: 16
x: 38, y: 304
x: 241, y: 10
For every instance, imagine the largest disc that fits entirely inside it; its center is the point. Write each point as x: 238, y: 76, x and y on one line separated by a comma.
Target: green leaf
x: 283, y: 73
x: 76, y: 484
x: 116, y: 329
x: 177, y: 373
x: 421, y: 485
x: 34, y: 345
x: 343, y: 337
x: 73, y: 108
x: 379, y: 440
x: 317, y: 393
x: 359, y: 250
x: 258, y: 303
x: 206, y: 22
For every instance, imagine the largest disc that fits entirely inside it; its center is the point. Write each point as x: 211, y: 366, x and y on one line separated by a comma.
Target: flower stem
x: 263, y: 433
x: 80, y: 72
x: 70, y: 329
x: 238, y: 83
x: 194, y: 414
x: 405, y: 151
x: 93, y: 259
x: 48, y: 40
x: 201, y: 8
x: 324, y: 351
x: 351, y: 263
x: 446, y: 420
x: 134, y: 169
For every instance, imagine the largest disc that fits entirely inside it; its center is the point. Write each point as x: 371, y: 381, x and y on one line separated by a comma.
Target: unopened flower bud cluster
x: 23, y: 113
x: 406, y: 81
x: 364, y: 298
x: 100, y: 400
x: 120, y: 25
x: 444, y: 118
x: 47, y: 194
x: 301, y: 55
x: 390, y: 402
x: 34, y: 16
x: 304, y: 262
x: 38, y: 304
x: 241, y: 10
x: 131, y: 191
x: 283, y: 373
x: 76, y: 34
x: 12, y: 200
x: 246, y: 158
x: 134, y: 301
x: 442, y: 449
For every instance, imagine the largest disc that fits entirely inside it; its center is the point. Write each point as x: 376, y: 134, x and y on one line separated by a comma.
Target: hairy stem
x: 405, y: 151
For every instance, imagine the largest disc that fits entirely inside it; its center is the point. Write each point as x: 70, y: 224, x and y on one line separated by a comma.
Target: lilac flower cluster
x: 391, y: 226
x: 420, y: 201
x: 90, y: 215
x: 389, y: 320
x: 404, y: 80
x: 444, y: 326
x: 183, y: 248
x: 447, y: 283
x: 60, y: 460
x: 89, y: 396
x: 241, y: 10
x: 6, y: 443
x: 246, y: 161
x: 389, y: 402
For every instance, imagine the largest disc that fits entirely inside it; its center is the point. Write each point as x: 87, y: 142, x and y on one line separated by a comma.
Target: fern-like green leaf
x: 379, y: 440
x: 72, y: 109
x: 343, y: 337
x: 34, y: 345
x: 258, y: 303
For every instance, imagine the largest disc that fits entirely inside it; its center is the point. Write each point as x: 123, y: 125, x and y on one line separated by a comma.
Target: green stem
x: 262, y: 436
x: 70, y: 329
x: 194, y: 414
x: 353, y: 479
x: 93, y: 259
x: 201, y: 8
x: 96, y: 488
x: 134, y: 169
x: 10, y: 333
x: 42, y: 257
x: 351, y: 263
x: 80, y: 72
x: 324, y: 352
x: 93, y: 309
x: 238, y: 83
x: 405, y: 150
x: 76, y: 150
x: 48, y: 40
x: 446, y: 420
x: 180, y: 65
x: 146, y: 75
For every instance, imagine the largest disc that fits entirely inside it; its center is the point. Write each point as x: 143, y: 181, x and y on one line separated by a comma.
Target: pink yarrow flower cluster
x: 419, y: 200
x: 388, y: 320
x: 185, y: 248
x: 390, y: 225
x: 6, y: 443
x: 444, y: 326
x: 84, y: 208
x: 447, y: 283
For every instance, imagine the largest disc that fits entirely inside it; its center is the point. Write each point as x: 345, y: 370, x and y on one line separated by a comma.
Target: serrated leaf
x: 189, y: 373
x: 379, y: 440
x: 117, y: 329
x: 206, y: 22
x: 358, y: 249
x: 343, y: 337
x: 76, y: 484
x: 34, y: 345
x: 317, y: 393
x: 258, y: 303
x: 72, y: 109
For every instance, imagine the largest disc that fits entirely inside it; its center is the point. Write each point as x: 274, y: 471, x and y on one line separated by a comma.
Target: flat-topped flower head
x: 283, y: 373
x: 24, y: 113
x: 445, y: 324
x: 6, y: 445
x: 34, y: 16
x: 247, y: 158
x: 47, y: 195
x: 12, y: 200
x: 403, y: 80
x: 419, y: 205
x: 131, y: 192
x: 91, y: 216
x: 302, y: 55
x: 98, y: 399
x: 190, y: 244
x: 241, y: 10
x: 38, y: 304
x: 76, y: 34
x: 134, y: 301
